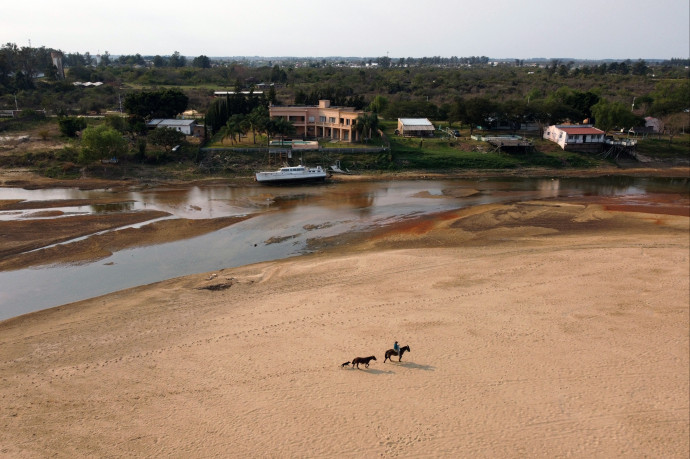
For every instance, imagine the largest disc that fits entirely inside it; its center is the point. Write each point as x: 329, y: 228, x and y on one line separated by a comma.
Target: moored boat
x: 293, y: 174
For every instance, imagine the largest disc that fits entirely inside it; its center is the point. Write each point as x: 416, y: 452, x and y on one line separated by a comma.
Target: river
x: 284, y: 220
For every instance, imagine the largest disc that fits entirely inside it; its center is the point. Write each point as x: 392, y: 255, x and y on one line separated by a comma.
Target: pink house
x: 322, y: 121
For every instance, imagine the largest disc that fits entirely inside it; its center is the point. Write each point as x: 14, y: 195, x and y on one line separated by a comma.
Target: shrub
x: 69, y: 126
x: 101, y: 142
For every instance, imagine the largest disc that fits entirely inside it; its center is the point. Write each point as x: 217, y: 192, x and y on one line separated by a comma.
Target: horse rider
x: 396, y: 348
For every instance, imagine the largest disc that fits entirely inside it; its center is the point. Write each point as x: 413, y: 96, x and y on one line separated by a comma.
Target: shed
x: 184, y: 126
x: 416, y: 127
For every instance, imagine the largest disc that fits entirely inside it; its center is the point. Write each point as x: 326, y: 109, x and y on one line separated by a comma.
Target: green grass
x: 663, y: 149
x: 444, y: 153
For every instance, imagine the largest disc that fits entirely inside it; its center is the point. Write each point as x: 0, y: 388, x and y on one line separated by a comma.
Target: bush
x: 68, y: 154
x: 102, y: 142
x: 166, y: 137
x: 69, y: 126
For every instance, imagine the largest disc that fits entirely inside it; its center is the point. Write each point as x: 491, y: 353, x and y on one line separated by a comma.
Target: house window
x: 322, y: 119
x: 347, y: 122
x: 342, y: 121
x: 331, y: 119
x: 311, y: 119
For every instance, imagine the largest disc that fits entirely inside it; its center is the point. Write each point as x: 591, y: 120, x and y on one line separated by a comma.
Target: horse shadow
x: 373, y: 371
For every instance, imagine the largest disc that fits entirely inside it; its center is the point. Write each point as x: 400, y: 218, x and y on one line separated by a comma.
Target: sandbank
x: 536, y: 329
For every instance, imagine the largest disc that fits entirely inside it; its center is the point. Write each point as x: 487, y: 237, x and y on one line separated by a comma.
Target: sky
x: 583, y: 29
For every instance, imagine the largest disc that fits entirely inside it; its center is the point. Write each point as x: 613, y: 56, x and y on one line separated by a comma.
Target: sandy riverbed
x: 536, y: 330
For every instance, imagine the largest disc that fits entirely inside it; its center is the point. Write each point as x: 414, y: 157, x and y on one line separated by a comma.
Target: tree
x: 478, y: 111
x: 23, y: 81
x: 105, y: 59
x: 158, y: 61
x: 236, y: 125
x: 202, y: 62
x: 457, y: 111
x: 670, y: 96
x: 166, y: 137
x: 118, y: 123
x: 516, y: 112
x: 51, y: 72
x: 366, y: 125
x: 165, y: 103
x: 177, y: 60
x: 101, y: 142
x: 280, y: 126
x: 379, y: 104
x: 640, y: 68
x: 608, y: 115
x: 272, y: 97
x: 69, y: 126
x: 676, y: 123
x: 257, y: 120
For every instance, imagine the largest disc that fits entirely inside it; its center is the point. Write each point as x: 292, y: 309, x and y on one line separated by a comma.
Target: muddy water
x: 283, y: 222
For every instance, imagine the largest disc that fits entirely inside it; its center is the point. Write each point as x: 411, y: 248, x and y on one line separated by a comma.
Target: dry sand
x: 536, y: 330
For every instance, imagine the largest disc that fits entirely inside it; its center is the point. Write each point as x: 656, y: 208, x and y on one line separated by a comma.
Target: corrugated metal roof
x: 408, y: 122
x: 171, y: 122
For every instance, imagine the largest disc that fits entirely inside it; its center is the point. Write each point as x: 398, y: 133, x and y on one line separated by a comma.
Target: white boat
x: 293, y: 174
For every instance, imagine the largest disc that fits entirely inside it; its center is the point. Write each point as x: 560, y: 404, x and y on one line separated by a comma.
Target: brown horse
x: 391, y: 352
x: 365, y: 360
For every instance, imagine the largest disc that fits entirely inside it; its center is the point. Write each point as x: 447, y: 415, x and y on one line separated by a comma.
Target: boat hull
x: 274, y: 180
x: 292, y: 175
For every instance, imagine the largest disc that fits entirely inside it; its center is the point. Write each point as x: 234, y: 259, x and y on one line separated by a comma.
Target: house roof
x: 416, y: 123
x: 580, y: 129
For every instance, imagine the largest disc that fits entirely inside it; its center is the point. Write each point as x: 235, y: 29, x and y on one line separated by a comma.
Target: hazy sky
x: 584, y: 29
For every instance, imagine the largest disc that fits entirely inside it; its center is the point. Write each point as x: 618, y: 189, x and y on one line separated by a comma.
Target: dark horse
x: 391, y: 352
x: 364, y: 360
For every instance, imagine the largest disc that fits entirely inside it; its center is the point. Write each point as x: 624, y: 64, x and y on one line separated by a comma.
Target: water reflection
x: 285, y: 222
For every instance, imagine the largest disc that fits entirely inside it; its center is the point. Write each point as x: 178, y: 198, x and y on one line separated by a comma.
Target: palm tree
x: 283, y: 127
x: 359, y: 126
x: 366, y: 123
x: 257, y: 120
x: 235, y: 126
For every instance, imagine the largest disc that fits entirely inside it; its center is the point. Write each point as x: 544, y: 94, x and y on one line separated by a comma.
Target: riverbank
x: 26, y: 178
x: 536, y: 329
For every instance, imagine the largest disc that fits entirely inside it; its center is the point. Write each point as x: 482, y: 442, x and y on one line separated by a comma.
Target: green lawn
x: 679, y: 147
x: 444, y: 152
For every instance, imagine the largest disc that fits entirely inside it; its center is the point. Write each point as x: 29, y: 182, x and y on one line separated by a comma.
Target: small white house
x: 575, y: 137
x: 417, y: 127
x: 184, y: 126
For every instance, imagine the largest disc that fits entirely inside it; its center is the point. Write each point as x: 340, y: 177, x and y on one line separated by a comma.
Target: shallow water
x: 283, y: 221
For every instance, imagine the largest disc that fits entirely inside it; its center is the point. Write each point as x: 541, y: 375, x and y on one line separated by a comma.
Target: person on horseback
x: 396, y: 348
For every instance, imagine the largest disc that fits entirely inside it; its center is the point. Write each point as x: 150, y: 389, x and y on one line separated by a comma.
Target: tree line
x: 425, y: 87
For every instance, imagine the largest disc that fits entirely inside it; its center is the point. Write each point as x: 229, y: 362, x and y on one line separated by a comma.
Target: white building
x: 184, y: 126
x: 416, y: 127
x: 575, y: 137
